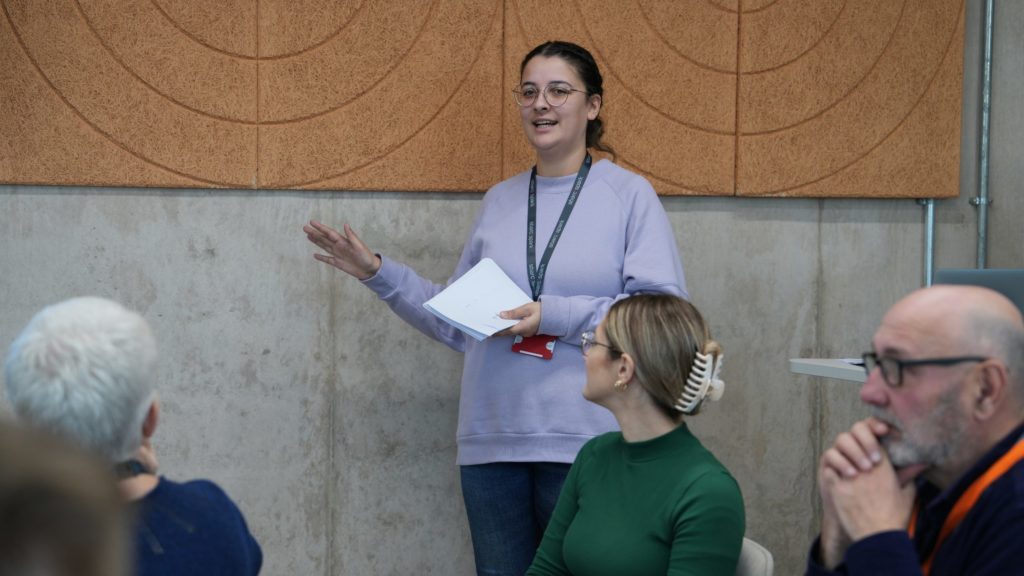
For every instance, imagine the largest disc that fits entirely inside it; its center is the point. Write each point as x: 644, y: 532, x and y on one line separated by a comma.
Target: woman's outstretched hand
x: 345, y: 251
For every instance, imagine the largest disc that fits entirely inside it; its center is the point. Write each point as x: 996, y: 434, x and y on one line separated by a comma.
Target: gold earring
x: 620, y: 385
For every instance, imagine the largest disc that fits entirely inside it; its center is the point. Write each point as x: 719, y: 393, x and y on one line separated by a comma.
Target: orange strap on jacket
x: 968, y: 499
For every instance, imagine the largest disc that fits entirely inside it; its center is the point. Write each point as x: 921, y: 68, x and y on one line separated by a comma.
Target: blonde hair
x: 663, y: 334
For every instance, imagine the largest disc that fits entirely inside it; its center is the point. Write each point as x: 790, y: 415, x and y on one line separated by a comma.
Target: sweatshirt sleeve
x: 405, y: 291
x: 651, y: 263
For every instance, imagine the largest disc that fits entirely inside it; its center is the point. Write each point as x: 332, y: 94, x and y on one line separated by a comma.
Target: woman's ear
x: 626, y: 368
x: 594, y: 102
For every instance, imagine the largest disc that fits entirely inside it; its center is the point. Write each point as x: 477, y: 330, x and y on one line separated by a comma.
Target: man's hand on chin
x: 862, y: 494
x: 873, y: 501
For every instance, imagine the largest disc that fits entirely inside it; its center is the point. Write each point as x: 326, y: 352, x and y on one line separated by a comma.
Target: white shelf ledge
x: 827, y: 368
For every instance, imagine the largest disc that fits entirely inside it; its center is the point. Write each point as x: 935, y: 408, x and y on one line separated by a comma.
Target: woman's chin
x: 589, y: 394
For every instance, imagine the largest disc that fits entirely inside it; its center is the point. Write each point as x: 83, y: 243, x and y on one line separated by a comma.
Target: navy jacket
x: 988, y: 542
x: 190, y: 529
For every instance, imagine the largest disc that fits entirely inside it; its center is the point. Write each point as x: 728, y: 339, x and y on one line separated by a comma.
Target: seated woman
x: 650, y: 499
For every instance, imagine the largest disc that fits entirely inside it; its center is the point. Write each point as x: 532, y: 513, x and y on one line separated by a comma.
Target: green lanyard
x: 536, y: 272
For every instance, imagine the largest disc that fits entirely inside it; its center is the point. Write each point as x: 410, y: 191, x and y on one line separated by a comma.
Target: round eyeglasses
x: 892, y: 369
x: 555, y: 94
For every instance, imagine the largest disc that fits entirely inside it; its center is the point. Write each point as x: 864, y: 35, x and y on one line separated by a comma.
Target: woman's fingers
x: 323, y: 244
x: 518, y: 313
x: 326, y: 238
x: 345, y: 251
x: 356, y: 244
x: 320, y: 227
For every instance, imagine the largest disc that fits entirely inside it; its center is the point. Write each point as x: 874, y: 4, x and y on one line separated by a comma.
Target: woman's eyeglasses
x: 555, y: 94
x: 588, y: 340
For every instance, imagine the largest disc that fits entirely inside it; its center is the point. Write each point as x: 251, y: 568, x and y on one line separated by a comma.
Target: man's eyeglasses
x: 892, y: 369
x: 555, y: 94
x: 588, y: 340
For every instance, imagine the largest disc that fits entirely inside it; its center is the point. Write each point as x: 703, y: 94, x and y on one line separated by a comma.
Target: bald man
x: 933, y: 482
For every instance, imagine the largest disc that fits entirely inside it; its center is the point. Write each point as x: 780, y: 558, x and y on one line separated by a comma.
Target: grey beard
x: 931, y: 442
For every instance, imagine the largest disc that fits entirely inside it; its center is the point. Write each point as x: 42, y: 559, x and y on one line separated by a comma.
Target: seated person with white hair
x: 83, y: 369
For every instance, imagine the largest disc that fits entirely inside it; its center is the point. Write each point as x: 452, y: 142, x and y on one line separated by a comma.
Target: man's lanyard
x: 968, y: 499
x: 534, y: 271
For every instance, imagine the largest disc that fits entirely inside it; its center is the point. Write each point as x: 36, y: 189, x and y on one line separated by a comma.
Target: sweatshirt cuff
x: 554, y: 315
x: 384, y: 282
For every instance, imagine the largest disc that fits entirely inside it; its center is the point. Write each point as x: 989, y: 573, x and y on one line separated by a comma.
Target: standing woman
x: 521, y: 418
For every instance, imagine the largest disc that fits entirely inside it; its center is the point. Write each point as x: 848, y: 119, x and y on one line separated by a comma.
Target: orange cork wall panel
x: 418, y: 107
x: 386, y: 95
x: 125, y: 99
x: 224, y: 26
x: 455, y: 137
x: 289, y: 28
x: 864, y: 100
x: 703, y: 97
x: 44, y: 141
x: 670, y: 83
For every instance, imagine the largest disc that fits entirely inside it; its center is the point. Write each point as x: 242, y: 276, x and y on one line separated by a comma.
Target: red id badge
x: 541, y: 346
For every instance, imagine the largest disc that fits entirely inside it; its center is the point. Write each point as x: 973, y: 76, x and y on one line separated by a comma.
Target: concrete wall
x: 332, y: 423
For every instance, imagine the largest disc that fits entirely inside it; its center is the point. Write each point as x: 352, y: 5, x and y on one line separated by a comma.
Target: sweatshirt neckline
x: 560, y: 184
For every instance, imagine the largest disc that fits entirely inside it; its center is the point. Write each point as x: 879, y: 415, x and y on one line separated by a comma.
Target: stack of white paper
x: 472, y: 302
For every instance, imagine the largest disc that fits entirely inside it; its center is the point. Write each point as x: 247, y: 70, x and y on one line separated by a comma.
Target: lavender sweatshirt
x: 617, y: 242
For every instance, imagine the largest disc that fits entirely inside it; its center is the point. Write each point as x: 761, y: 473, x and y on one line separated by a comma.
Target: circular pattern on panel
x: 758, y: 96
x: 211, y: 90
x: 670, y: 87
x: 824, y: 83
x: 298, y: 25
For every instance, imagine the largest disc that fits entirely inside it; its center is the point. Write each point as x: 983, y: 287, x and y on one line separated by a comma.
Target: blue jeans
x: 509, y: 505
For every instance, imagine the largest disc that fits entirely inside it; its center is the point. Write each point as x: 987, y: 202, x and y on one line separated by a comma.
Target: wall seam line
x: 502, y: 161
x: 817, y: 395
x: 736, y: 103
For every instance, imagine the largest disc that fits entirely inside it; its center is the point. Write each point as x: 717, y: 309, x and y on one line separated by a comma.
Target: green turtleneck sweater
x: 662, y: 506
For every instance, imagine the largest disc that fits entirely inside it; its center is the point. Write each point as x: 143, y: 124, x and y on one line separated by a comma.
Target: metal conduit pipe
x: 982, y: 200
x: 929, y: 239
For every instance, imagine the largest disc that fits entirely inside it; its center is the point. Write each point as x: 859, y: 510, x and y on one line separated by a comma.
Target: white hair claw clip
x: 702, y: 383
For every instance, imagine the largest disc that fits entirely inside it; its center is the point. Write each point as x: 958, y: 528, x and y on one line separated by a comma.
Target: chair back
x: 755, y: 560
